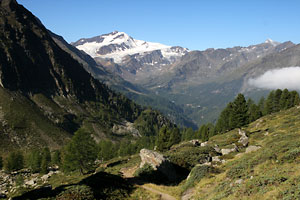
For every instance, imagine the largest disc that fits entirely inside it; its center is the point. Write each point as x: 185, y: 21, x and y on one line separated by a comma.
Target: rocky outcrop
x: 244, y: 140
x: 228, y: 151
x: 158, y: 162
x: 125, y: 129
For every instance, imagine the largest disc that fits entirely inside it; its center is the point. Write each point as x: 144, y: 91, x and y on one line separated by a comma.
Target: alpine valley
x: 113, y: 117
x: 199, y: 83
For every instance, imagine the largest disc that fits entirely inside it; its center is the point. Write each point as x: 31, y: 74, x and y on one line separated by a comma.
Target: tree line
x: 81, y: 152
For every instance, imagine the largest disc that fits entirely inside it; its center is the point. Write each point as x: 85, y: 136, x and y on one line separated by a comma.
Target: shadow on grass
x: 103, y: 185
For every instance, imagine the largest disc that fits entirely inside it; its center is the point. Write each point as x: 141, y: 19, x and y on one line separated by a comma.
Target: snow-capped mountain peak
x: 117, y: 45
x: 274, y: 43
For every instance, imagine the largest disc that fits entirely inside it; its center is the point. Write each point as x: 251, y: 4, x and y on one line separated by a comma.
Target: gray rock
x: 239, y: 181
x: 228, y: 151
x: 158, y: 162
x: 252, y: 148
x: 217, y: 149
x: 203, y: 144
x: 244, y: 140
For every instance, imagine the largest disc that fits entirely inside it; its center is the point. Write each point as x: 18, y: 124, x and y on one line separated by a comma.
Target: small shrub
x: 290, y: 155
x: 196, y: 174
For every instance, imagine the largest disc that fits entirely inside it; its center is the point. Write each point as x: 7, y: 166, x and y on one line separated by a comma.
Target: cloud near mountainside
x: 288, y: 77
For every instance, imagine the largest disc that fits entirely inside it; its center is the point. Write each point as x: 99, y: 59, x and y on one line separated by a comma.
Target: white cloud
x: 288, y: 77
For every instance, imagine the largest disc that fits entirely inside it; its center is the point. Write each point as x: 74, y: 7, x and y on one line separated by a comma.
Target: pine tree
x: 56, y: 158
x: 46, y: 160
x: 297, y: 99
x: 14, y: 161
x: 80, y: 153
x: 293, y: 98
x: 283, y: 102
x: 224, y: 122
x: 276, y: 102
x: 1, y: 162
x: 174, y: 138
x: 269, y: 103
x: 34, y: 160
x: 163, y: 139
x: 261, y: 105
x: 254, y: 112
x: 240, y: 112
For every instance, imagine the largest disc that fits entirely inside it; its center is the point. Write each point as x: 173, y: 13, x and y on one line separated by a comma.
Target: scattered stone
x: 31, y: 182
x: 204, y: 144
x: 266, y: 133
x: 158, y: 162
x: 217, y: 148
x: 239, y: 181
x: 244, y: 140
x: 252, y: 148
x: 228, y: 151
x: 195, y: 142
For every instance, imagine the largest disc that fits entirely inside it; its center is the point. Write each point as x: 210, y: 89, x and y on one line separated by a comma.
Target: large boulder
x: 158, y: 162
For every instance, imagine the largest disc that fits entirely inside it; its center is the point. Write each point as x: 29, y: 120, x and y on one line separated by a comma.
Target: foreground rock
x: 158, y: 162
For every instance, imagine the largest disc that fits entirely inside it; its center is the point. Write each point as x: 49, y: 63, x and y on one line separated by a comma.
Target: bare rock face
x: 126, y: 128
x: 158, y: 162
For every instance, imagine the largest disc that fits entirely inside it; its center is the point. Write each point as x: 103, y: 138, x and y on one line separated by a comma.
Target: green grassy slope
x: 271, y: 172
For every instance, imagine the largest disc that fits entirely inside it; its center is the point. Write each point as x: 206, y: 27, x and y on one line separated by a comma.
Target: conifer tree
x: 1, y: 162
x: 163, y: 139
x: 14, y: 161
x: 254, y: 112
x: 283, y: 102
x: 261, y: 105
x: 276, y: 102
x: 175, y: 137
x: 34, y: 160
x: 80, y: 153
x: 224, y: 122
x: 269, y: 103
x: 240, y: 112
x: 56, y: 158
x: 45, y: 160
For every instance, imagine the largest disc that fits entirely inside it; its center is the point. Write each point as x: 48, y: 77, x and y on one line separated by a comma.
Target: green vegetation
x: 167, y: 137
x: 196, y: 174
x: 1, y: 162
x: 14, y: 161
x: 80, y: 153
x: 77, y: 192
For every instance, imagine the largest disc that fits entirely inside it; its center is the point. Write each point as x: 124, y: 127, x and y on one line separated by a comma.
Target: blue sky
x: 195, y: 24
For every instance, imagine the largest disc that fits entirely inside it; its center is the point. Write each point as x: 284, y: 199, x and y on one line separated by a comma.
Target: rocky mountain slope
x: 200, y: 82
x: 46, y: 95
x: 138, y: 58
x: 260, y: 161
x: 135, y: 92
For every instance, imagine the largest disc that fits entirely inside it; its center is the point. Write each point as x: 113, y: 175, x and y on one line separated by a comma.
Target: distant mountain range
x: 200, y: 82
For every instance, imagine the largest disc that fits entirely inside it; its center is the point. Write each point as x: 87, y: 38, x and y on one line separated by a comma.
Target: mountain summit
x: 117, y: 45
